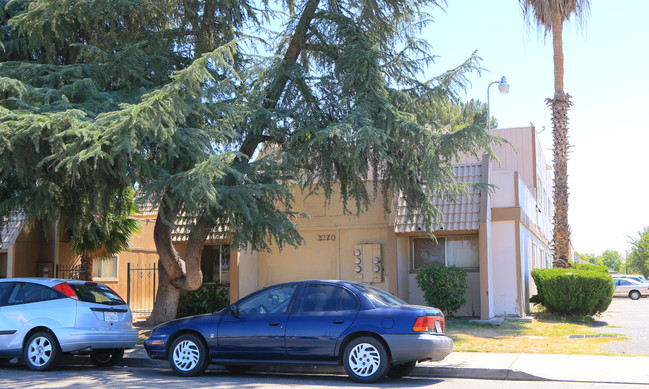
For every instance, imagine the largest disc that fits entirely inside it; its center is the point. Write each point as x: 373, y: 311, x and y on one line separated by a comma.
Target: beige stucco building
x: 498, y: 239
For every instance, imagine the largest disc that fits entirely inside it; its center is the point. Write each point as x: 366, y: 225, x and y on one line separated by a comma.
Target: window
x: 93, y: 293
x: 24, y: 293
x: 379, y: 297
x: 271, y: 301
x: 461, y: 251
x: 105, y: 267
x: 215, y: 263
x: 325, y: 298
x: 5, y: 289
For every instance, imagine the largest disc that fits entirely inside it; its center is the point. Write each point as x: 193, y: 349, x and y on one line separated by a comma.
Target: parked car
x: 638, y: 277
x: 368, y: 331
x: 630, y: 287
x: 42, y: 318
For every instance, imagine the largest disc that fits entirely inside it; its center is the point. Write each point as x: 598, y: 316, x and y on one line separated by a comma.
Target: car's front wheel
x: 188, y: 356
x: 401, y: 370
x: 366, y: 359
x: 41, y: 351
x: 107, y: 357
x: 634, y: 294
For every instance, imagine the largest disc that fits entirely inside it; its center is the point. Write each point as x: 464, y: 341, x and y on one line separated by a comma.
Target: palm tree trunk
x: 560, y: 105
x: 85, y: 271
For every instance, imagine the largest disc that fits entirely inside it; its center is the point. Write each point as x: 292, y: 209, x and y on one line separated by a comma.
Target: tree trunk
x: 561, y: 234
x: 171, y: 268
x: 176, y: 274
x: 166, y: 303
x: 85, y: 270
x: 560, y: 105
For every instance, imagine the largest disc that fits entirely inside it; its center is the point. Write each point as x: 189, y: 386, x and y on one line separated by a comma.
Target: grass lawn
x: 545, y: 334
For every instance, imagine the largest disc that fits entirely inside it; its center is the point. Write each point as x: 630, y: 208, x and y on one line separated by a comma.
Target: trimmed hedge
x: 573, y: 291
x: 444, y: 287
x: 590, y: 266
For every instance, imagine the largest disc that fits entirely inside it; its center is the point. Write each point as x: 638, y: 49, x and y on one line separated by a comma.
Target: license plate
x: 438, y: 327
x: 110, y: 316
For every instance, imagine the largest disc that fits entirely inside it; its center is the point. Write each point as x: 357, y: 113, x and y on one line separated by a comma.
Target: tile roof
x: 183, y: 229
x: 183, y: 224
x: 457, y: 215
x: 10, y: 227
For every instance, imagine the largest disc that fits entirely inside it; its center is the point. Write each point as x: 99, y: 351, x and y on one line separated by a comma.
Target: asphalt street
x: 629, y: 318
x: 138, y: 378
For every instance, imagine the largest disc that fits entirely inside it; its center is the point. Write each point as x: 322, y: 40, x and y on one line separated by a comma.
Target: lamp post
x: 503, y: 87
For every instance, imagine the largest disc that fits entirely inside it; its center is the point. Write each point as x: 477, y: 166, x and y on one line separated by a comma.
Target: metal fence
x: 141, y: 288
x: 71, y: 272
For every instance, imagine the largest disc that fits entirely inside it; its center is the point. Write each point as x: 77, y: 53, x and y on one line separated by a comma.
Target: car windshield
x: 379, y: 297
x: 95, y: 293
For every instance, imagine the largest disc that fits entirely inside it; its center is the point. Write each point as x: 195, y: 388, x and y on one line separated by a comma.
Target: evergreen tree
x: 638, y: 260
x: 174, y: 99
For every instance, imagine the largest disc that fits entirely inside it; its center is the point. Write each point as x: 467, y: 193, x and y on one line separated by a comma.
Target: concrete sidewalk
x: 534, y: 367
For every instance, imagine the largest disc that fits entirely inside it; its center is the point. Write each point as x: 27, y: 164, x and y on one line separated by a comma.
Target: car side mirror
x: 234, y: 310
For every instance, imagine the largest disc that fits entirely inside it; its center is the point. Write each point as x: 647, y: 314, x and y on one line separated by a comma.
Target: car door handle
x: 273, y: 323
x: 338, y: 321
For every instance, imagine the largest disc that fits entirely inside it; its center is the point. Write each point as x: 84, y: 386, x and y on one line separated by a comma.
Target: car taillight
x: 433, y: 324
x: 67, y: 290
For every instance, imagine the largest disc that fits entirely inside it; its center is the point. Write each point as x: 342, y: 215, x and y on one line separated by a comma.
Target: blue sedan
x: 368, y: 331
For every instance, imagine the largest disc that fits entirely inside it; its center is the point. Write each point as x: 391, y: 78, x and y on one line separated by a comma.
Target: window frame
x: 414, y: 270
x: 98, y: 277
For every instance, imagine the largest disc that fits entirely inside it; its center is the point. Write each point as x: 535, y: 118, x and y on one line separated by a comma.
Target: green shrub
x: 591, y: 267
x: 573, y: 291
x: 210, y: 297
x: 444, y: 287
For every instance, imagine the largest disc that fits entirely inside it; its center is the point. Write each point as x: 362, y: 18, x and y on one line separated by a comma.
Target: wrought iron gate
x: 141, y: 288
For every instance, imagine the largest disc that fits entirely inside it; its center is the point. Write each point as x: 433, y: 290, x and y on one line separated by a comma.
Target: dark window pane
x: 379, y: 297
x: 326, y: 298
x: 427, y: 252
x: 25, y: 293
x: 348, y: 301
x: 271, y: 301
x: 5, y: 289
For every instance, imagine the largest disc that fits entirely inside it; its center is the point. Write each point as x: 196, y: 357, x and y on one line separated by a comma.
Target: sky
x: 605, y: 63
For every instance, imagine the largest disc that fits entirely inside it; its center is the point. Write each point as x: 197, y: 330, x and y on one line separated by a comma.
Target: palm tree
x: 549, y: 15
x: 103, y: 238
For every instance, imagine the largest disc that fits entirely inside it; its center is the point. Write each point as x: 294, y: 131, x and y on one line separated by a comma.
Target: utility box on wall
x: 45, y: 269
x: 368, y: 263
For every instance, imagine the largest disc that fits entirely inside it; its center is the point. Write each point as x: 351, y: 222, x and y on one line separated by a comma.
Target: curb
x: 419, y: 371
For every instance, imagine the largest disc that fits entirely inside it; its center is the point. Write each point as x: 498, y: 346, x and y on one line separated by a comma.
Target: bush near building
x: 210, y: 297
x: 576, y: 292
x: 591, y: 267
x: 444, y: 287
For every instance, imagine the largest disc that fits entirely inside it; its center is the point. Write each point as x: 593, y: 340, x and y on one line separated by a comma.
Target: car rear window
x: 95, y: 293
x: 379, y: 297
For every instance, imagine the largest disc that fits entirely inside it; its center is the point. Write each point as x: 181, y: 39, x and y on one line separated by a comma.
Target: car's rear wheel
x: 634, y: 294
x: 401, y: 370
x: 41, y: 351
x: 237, y: 369
x: 188, y: 356
x: 366, y: 359
x: 107, y: 357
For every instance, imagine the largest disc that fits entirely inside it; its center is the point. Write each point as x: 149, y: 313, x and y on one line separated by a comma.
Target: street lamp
x: 503, y: 87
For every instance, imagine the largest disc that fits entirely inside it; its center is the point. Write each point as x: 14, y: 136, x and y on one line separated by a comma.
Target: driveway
x: 626, y: 317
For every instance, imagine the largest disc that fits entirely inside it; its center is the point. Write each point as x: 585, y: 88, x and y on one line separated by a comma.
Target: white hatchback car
x: 42, y: 318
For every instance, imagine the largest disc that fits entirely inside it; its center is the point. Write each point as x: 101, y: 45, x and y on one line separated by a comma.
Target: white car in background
x: 631, y: 288
x: 42, y: 318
